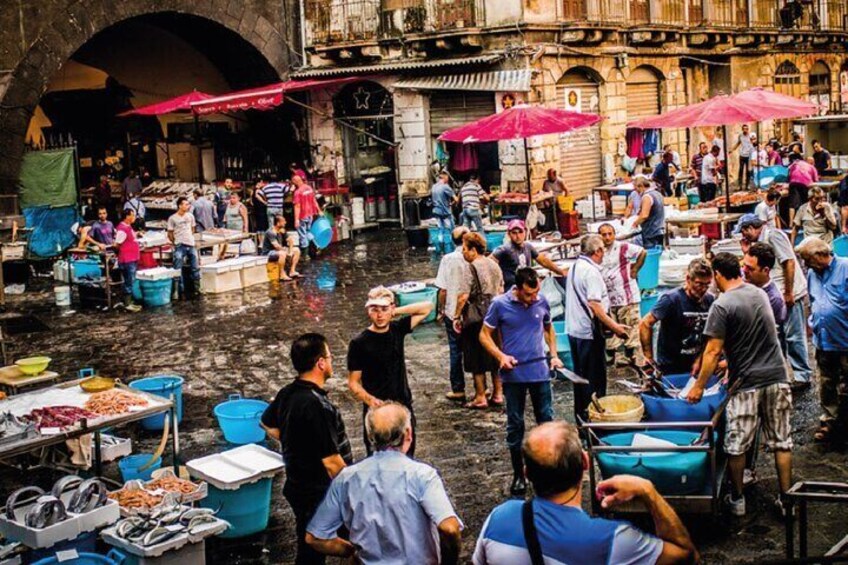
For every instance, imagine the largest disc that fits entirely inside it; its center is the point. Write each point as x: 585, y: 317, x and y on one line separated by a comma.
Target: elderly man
x: 311, y: 433
x: 790, y: 280
x: 816, y: 217
x: 651, y: 218
x: 828, y: 280
x: 452, y: 270
x: 587, y: 305
x: 518, y: 253
x: 682, y: 313
x: 395, y: 509
x: 620, y: 267
x: 561, y: 530
x: 741, y: 324
x: 376, y: 361
x: 523, y: 319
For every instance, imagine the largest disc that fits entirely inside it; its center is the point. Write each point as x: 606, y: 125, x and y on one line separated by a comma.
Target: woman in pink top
x: 129, y: 253
x: 305, y: 209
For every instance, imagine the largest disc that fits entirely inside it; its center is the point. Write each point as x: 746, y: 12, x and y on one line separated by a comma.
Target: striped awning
x: 405, y: 65
x: 490, y: 81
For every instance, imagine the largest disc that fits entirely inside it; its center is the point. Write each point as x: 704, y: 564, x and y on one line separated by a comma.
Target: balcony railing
x: 834, y: 15
x: 342, y: 21
x: 455, y: 14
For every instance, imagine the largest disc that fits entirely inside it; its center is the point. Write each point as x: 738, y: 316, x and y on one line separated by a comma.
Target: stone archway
x: 72, y: 27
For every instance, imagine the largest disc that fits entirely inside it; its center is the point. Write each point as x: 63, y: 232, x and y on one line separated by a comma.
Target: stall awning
x: 824, y: 119
x: 491, y: 81
x: 406, y: 65
x: 263, y: 97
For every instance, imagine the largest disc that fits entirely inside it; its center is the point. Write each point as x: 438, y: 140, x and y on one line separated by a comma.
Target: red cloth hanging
x: 464, y: 157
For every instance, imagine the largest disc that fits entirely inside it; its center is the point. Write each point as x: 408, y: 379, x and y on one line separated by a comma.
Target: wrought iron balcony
x: 342, y: 21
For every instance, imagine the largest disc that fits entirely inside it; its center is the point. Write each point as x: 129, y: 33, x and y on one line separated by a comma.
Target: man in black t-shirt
x: 312, y: 436
x: 376, y: 362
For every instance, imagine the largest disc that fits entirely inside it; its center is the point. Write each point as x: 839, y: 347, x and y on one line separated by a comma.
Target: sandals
x: 475, y: 406
x: 497, y: 403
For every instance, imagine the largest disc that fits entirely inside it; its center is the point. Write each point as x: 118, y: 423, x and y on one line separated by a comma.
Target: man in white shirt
x: 746, y: 147
x: 767, y: 209
x: 181, y: 226
x: 620, y: 267
x: 709, y: 175
x: 452, y: 269
x: 587, y: 305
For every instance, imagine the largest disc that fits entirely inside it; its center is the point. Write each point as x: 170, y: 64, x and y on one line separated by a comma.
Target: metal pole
x: 726, y: 172
x: 527, y: 170
x: 199, y: 151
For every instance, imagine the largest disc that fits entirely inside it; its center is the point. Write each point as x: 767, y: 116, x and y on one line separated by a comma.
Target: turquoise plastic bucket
x: 840, y: 246
x: 239, y: 419
x: 648, y: 302
x: 164, y: 386
x: 247, y: 508
x: 435, y: 236
x: 130, y: 464
x: 322, y: 232
x: 114, y: 557
x: 156, y: 293
x: 136, y: 291
x: 494, y: 239
x: 429, y: 294
x: 649, y: 274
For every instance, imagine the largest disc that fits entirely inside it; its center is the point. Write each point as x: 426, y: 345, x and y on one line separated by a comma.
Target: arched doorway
x: 580, y: 157
x: 843, y: 86
x: 820, y: 86
x: 643, y: 93
x: 246, y: 50
x: 787, y: 80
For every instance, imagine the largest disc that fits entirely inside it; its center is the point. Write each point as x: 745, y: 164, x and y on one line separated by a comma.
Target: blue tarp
x: 51, y: 227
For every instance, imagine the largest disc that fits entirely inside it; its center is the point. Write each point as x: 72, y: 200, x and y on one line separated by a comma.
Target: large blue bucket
x: 156, y: 293
x: 428, y: 294
x: 671, y: 473
x: 659, y: 409
x: 322, y: 232
x: 247, y: 508
x: 647, y: 302
x: 164, y: 386
x: 129, y: 467
x: 649, y: 274
x: 114, y: 557
x: 840, y: 246
x: 239, y: 419
x: 494, y: 239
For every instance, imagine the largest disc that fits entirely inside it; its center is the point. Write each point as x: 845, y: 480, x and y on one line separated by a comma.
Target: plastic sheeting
x: 51, y: 229
x: 48, y: 178
x: 555, y: 295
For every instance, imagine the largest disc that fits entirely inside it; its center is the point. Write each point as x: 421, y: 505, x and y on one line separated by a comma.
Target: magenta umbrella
x: 178, y: 104
x: 520, y: 122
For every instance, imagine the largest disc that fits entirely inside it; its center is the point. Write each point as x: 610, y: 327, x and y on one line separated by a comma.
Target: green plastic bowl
x: 33, y: 365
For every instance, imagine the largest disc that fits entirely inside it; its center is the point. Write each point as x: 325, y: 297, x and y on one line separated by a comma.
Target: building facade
x: 436, y: 64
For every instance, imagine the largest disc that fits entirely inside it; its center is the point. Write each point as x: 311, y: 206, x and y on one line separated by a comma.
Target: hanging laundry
x: 650, y: 142
x: 464, y: 157
x: 634, y: 143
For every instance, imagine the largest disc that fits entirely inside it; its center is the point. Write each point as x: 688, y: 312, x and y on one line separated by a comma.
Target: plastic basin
x: 840, y: 246
x: 660, y: 409
x: 156, y: 293
x: 648, y: 302
x: 494, y: 239
x: 618, y: 408
x: 429, y: 294
x: 164, y: 386
x: 239, y: 419
x: 136, y: 291
x: 114, y: 557
x: 649, y: 274
x: 247, y: 508
x: 33, y: 365
x: 671, y: 473
x: 322, y: 232
x: 130, y: 464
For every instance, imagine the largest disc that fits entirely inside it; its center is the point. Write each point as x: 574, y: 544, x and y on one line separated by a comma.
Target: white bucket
x: 63, y: 295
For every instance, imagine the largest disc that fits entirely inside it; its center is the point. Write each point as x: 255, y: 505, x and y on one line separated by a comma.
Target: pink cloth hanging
x: 634, y: 143
x: 463, y: 157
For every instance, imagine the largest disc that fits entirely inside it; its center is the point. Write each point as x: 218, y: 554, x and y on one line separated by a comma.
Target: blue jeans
x: 457, y: 376
x: 186, y: 253
x: 304, y: 233
x: 445, y: 229
x: 516, y: 396
x: 652, y: 242
x: 796, y: 343
x: 470, y: 216
x: 128, y: 270
x: 271, y: 212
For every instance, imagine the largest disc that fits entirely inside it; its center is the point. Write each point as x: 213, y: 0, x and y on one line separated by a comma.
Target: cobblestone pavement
x: 239, y: 342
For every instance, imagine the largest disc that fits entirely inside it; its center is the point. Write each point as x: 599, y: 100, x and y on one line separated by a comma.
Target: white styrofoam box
x: 67, y: 529
x: 231, y: 469
x: 13, y: 251
x: 593, y: 227
x: 172, y: 547
x: 61, y: 271
x: 357, y: 204
x: 253, y: 275
x: 261, y: 260
x: 215, y: 281
x: 157, y: 274
x: 687, y: 245
x: 113, y: 447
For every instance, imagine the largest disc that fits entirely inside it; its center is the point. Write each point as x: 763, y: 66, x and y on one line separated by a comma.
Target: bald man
x: 555, y: 463
x: 388, y: 502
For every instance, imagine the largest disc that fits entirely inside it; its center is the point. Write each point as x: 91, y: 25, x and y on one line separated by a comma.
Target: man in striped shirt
x: 272, y: 195
x: 471, y: 195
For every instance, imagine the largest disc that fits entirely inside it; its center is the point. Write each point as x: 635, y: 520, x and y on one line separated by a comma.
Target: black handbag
x: 598, y: 329
x: 478, y: 303
x: 531, y: 537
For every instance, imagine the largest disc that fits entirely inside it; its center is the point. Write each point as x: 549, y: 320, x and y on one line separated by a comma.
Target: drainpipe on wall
x: 301, y: 7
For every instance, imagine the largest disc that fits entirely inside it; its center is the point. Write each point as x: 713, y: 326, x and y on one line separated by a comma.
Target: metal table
x: 722, y: 219
x: 800, y: 495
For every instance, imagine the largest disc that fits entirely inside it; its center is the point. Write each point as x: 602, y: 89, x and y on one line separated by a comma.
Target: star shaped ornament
x: 362, y: 98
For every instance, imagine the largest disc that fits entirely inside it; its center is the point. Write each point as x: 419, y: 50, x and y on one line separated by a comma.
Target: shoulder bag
x: 531, y: 537
x: 598, y: 329
x: 478, y: 303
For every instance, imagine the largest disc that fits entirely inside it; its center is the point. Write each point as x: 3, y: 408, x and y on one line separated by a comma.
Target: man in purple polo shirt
x: 523, y: 319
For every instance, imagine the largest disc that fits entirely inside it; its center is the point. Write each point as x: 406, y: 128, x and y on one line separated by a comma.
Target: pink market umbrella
x: 520, y: 122
x: 178, y: 104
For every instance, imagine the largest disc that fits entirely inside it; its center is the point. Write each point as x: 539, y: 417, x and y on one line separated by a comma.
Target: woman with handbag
x: 481, y: 283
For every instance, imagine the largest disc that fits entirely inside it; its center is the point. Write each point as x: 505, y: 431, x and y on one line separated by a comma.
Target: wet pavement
x: 238, y: 343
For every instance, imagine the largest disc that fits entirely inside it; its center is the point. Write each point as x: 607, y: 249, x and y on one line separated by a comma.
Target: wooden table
x: 12, y: 379
x: 722, y: 219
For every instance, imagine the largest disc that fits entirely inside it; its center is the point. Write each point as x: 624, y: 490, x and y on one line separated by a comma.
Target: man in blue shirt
x: 395, y: 508
x: 556, y: 464
x: 828, y: 286
x: 523, y: 319
x: 443, y: 198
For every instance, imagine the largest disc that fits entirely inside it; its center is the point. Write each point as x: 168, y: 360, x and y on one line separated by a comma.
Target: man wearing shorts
x: 742, y: 324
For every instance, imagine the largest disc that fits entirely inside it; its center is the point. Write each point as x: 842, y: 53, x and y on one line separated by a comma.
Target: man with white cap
x: 376, y: 362
x: 518, y: 253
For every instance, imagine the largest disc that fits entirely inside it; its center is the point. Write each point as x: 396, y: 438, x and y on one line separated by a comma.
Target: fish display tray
x: 73, y: 526
x: 212, y: 529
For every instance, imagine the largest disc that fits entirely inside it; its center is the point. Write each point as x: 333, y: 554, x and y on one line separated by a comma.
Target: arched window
x: 820, y: 86
x: 787, y: 80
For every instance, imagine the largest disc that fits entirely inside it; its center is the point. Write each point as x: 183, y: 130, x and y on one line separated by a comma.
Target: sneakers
x: 133, y: 307
x: 736, y: 506
x: 749, y: 477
